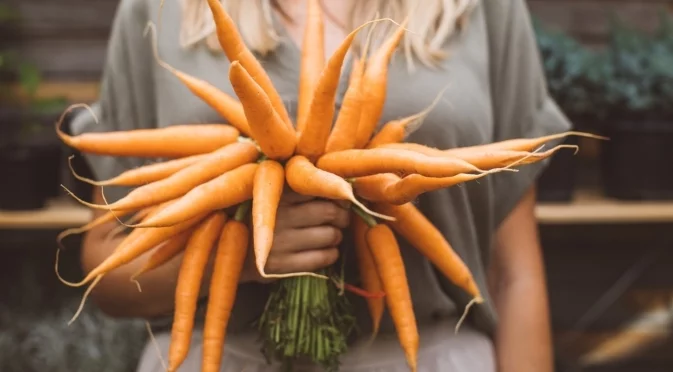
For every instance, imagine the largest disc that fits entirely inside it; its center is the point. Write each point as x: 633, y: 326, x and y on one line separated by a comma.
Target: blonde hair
x: 431, y: 24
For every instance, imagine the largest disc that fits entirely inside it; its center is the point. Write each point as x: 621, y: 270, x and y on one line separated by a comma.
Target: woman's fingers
x: 303, y: 261
x: 290, y: 197
x: 310, y: 238
x: 313, y: 213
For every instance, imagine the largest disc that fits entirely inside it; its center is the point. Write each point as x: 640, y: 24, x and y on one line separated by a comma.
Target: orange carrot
x: 224, y: 191
x: 371, y: 282
x: 224, y: 104
x: 231, y: 252
x: 190, y: 276
x: 181, y: 182
x: 313, y: 138
x: 267, y: 191
x: 397, y: 130
x: 139, y: 216
x: 358, y: 163
x: 136, y: 243
x: 390, y: 188
x: 487, y: 159
x: 144, y: 174
x: 235, y: 49
x: 375, y: 84
x: 312, y: 59
x: 174, y: 141
x: 304, y: 178
x: 273, y: 137
x: 521, y: 144
x: 411, y: 224
x: 386, y: 254
x: 106, y: 218
x: 342, y: 136
x: 165, y: 252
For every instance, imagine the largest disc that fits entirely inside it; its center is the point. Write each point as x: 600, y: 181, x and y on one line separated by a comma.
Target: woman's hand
x: 307, y: 234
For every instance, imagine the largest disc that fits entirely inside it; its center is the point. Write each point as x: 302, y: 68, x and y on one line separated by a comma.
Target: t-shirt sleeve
x: 126, y: 98
x: 521, y: 103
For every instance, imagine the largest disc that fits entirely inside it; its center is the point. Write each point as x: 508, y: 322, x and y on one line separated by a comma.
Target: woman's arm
x: 523, y: 337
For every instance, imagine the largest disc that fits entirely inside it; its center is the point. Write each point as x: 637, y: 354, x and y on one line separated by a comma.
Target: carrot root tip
x: 476, y: 300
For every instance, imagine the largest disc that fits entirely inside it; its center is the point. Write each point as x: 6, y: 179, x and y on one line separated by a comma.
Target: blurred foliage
x: 14, y: 69
x: 576, y: 76
x: 642, y: 81
x: 632, y: 77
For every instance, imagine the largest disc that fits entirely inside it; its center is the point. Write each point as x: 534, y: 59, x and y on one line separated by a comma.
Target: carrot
x: 313, y: 138
x: 371, y: 282
x: 267, y: 191
x: 397, y: 130
x: 411, y: 224
x: 235, y: 49
x: 107, y: 217
x: 139, y: 216
x: 144, y: 174
x: 168, y: 142
x: 342, y: 136
x: 487, y: 159
x: 224, y: 104
x: 189, y: 280
x: 375, y: 85
x: 273, y: 137
x: 521, y: 144
x: 232, y: 249
x: 136, y: 243
x: 358, y: 163
x: 390, y: 188
x: 304, y: 178
x: 230, y: 188
x: 165, y: 252
x: 388, y: 259
x: 181, y: 182
x: 312, y: 60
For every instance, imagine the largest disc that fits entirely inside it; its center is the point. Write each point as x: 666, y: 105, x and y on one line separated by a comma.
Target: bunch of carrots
x: 224, y: 181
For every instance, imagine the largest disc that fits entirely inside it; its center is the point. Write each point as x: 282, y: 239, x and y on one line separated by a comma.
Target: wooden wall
x: 67, y: 38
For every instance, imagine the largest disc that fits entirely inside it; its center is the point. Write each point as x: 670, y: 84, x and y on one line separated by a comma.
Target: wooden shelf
x: 588, y: 207
x: 58, y: 214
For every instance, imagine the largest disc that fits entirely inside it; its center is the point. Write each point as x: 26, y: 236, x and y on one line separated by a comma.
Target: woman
x: 486, y: 52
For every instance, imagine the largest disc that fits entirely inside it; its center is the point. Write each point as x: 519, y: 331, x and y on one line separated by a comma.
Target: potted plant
x: 575, y: 79
x: 635, y: 161
x: 30, y: 153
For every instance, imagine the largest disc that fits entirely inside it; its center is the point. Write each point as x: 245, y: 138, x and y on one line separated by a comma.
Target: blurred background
x: 605, y: 215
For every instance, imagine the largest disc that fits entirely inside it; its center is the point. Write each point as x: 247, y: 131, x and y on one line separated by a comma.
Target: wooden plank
x: 589, y: 20
x: 61, y: 18
x: 59, y: 213
x: 75, y: 92
x: 589, y: 207
x: 63, y: 59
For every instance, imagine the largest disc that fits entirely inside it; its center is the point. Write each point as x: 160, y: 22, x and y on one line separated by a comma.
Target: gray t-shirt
x: 496, y: 91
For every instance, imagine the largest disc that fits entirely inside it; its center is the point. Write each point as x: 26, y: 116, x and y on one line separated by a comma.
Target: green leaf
x: 30, y: 78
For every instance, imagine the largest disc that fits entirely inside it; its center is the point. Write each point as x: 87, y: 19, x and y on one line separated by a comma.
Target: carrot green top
x: 496, y: 91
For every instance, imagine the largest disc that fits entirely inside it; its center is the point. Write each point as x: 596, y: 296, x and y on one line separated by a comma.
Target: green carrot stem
x: 242, y: 210
x: 369, y: 220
